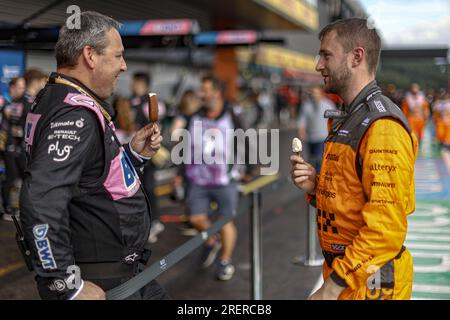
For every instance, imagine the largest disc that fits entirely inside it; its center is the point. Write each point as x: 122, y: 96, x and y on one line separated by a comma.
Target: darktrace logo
x: 383, y: 151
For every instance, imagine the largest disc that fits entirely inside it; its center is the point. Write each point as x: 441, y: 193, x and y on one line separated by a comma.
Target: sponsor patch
x: 60, y: 154
x: 383, y: 151
x: 43, y: 246
x: 54, y: 125
x: 78, y: 99
x: 343, y: 133
x: 332, y: 157
x: 64, y: 135
x: 338, y: 247
x: 30, y: 127
x: 366, y: 122
x: 122, y: 180
x: 379, y: 106
x: 382, y: 167
x: 80, y: 123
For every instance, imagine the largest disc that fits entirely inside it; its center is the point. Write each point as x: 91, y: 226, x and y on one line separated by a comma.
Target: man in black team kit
x: 82, y: 202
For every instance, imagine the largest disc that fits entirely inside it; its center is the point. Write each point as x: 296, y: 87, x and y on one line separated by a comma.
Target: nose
x: 123, y: 66
x: 319, y: 63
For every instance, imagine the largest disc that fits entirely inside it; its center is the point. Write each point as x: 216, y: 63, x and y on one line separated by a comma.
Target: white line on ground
x: 431, y: 288
x: 318, y: 284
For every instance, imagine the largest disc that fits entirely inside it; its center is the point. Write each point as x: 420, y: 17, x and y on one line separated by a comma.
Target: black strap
x: 107, y: 270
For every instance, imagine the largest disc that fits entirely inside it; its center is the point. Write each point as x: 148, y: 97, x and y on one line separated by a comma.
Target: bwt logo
x: 74, y: 20
x: 43, y: 246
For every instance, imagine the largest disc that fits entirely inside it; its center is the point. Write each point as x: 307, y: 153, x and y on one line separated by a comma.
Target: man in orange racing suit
x: 416, y: 108
x: 366, y: 187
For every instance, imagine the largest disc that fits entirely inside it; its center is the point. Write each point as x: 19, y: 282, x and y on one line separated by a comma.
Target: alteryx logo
x: 43, y: 246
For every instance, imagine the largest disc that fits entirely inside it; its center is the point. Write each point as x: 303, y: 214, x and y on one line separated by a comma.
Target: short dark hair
x: 216, y: 83
x: 355, y: 32
x: 33, y: 74
x: 142, y: 76
x: 14, y: 81
x: 92, y: 32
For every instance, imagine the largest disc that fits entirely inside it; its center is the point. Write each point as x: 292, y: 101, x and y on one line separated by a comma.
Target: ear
x: 88, y: 55
x: 358, y: 56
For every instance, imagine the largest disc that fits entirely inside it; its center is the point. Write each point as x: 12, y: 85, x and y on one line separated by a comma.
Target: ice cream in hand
x: 296, y: 146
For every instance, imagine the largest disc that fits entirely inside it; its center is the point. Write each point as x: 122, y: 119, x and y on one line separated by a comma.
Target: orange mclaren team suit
x: 441, y: 116
x: 416, y: 109
x: 363, y: 196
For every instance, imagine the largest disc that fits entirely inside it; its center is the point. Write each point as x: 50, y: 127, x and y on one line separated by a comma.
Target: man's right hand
x: 91, y: 291
x: 303, y: 174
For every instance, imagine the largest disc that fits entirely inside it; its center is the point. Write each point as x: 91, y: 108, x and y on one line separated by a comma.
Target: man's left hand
x: 330, y: 290
x: 147, y: 140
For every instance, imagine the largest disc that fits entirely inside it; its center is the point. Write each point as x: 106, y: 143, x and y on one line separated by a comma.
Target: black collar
x: 364, y: 95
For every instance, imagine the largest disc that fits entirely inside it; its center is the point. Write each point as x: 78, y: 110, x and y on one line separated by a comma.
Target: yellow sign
x: 294, y: 10
x: 278, y: 57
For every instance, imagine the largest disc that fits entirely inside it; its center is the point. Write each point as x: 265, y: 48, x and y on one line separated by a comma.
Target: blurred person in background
x: 123, y: 120
x: 313, y: 127
x: 441, y: 118
x: 415, y: 107
x: 213, y: 182
x: 139, y: 108
x: 15, y: 115
x: 393, y: 94
x: 189, y: 105
x: 16, y: 91
x: 140, y: 88
x: 281, y: 104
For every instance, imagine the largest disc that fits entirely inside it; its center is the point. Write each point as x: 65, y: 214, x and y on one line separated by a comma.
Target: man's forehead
x: 329, y: 41
x: 115, y: 39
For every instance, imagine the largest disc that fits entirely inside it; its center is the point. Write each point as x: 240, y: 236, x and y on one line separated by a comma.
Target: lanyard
x: 105, y: 113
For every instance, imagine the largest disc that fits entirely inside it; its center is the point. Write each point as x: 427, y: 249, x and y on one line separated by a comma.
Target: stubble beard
x: 338, y: 80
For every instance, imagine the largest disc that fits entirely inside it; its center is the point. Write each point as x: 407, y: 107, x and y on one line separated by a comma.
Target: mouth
x: 325, y: 78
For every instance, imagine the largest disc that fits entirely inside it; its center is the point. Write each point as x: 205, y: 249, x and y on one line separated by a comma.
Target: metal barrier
x: 310, y: 259
x: 253, y: 189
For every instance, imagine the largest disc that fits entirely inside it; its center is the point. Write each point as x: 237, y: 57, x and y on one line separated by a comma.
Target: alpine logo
x: 43, y: 246
x: 82, y: 99
x: 129, y: 175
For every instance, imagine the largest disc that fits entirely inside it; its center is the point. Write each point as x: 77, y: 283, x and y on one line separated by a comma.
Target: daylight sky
x: 411, y: 22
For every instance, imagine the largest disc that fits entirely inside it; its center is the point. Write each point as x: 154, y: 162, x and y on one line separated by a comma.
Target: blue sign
x: 12, y: 64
